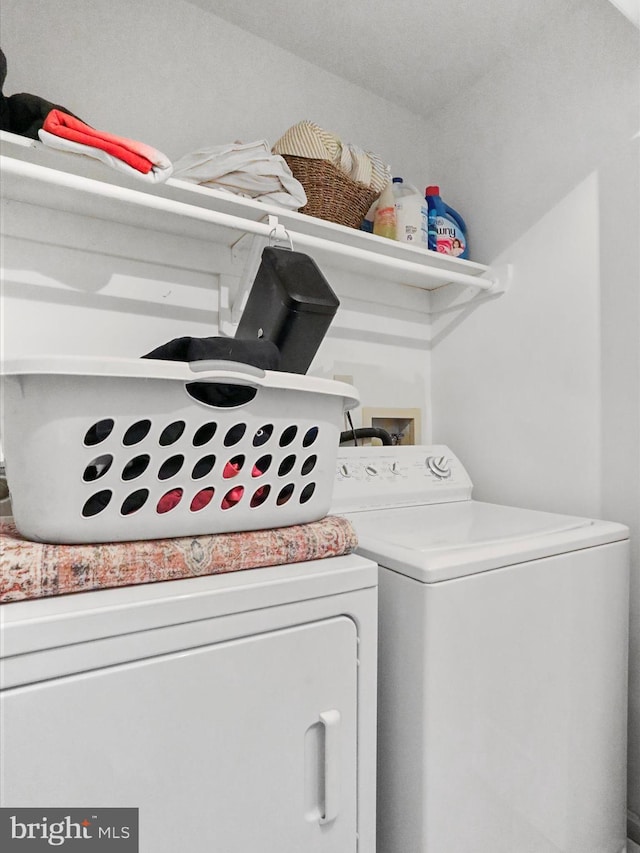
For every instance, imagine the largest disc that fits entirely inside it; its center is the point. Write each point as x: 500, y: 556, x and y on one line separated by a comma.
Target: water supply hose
x: 366, y: 432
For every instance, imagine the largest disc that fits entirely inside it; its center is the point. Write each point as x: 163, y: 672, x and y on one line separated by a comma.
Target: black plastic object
x: 290, y: 304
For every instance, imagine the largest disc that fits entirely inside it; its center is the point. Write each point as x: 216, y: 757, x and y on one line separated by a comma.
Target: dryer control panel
x: 381, y: 477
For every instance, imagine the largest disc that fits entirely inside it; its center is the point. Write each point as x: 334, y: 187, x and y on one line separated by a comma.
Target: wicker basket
x: 331, y: 194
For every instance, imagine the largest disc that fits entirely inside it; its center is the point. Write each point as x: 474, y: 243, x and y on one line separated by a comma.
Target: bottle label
x: 425, y: 228
x: 409, y: 219
x: 450, y: 239
x: 408, y: 233
x: 384, y: 224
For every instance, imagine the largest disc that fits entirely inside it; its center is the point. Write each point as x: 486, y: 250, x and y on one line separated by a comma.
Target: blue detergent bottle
x: 445, y: 229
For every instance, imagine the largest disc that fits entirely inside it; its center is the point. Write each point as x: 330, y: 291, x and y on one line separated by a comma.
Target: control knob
x: 439, y: 466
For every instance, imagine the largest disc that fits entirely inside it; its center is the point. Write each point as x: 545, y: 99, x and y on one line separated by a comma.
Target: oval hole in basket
x: 204, y: 434
x: 135, y: 501
x: 171, y: 433
x: 222, y: 395
x: 286, y: 465
x: 98, y: 432
x: 310, y: 436
x: 233, y: 497
x: 203, y: 467
x: 260, y: 495
x: 307, y: 492
x: 262, y: 465
x: 202, y: 499
x: 288, y: 435
x: 170, y: 467
x: 97, y: 468
x: 233, y: 467
x: 284, y: 494
x: 169, y: 501
x: 308, y: 465
x: 136, y: 466
x: 96, y: 503
x: 136, y: 432
x: 262, y: 435
x: 234, y: 434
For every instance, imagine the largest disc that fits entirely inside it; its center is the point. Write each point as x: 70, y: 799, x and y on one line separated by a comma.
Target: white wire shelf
x: 35, y: 174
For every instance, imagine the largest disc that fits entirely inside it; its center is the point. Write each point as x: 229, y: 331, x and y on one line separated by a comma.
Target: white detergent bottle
x: 408, y: 203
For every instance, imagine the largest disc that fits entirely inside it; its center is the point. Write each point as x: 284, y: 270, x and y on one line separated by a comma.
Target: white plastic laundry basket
x: 113, y: 449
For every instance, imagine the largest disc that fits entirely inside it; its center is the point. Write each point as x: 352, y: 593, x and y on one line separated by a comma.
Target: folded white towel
x: 159, y: 172
x: 247, y: 169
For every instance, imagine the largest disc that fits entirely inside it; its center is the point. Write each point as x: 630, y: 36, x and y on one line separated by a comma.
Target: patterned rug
x: 39, y: 570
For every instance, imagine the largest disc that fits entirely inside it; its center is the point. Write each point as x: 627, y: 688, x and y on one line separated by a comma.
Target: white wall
x: 169, y: 74
x: 539, y: 391
x: 516, y: 385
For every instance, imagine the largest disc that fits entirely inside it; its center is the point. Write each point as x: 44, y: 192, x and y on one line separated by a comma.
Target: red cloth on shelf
x: 136, y: 154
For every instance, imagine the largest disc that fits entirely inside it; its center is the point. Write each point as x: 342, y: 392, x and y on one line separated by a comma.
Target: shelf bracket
x: 278, y: 233
x: 453, y: 296
x: 234, y: 299
x: 231, y: 308
x: 502, y: 276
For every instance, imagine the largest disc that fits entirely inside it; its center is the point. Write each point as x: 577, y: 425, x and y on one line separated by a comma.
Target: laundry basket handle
x: 224, y: 384
x: 219, y: 370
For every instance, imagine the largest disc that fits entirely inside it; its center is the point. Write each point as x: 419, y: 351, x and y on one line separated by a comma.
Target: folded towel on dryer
x: 38, y: 570
x: 67, y: 133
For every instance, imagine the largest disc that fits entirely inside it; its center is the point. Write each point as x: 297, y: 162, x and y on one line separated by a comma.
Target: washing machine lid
x: 438, y: 542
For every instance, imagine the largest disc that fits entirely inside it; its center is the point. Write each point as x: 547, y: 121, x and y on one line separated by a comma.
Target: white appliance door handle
x: 331, y: 722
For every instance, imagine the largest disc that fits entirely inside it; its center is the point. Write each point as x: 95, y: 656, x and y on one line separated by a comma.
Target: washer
x: 502, y: 662
x: 235, y: 711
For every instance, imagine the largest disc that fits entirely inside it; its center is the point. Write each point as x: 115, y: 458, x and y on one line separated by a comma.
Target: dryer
x: 235, y: 711
x: 502, y: 662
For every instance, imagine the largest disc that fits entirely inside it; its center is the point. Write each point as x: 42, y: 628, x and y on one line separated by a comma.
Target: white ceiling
x: 630, y: 8
x: 418, y: 53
